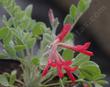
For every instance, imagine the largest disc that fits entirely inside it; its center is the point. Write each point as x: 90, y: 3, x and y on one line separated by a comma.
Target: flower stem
x: 49, y: 79
x: 18, y: 81
x: 61, y: 82
x: 66, y: 46
x: 54, y: 84
x: 76, y: 20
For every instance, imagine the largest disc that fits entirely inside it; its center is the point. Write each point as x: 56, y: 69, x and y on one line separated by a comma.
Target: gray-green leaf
x: 12, y: 77
x: 73, y: 11
x: 28, y: 10
x: 38, y: 29
x: 4, y: 81
x: 83, y: 5
x: 67, y: 54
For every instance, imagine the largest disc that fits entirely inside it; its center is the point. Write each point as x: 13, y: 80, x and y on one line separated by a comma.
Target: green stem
x: 76, y: 20
x: 61, y: 82
x: 22, y: 53
x: 11, y: 16
x: 54, y: 84
x: 18, y: 81
x: 49, y: 79
x: 32, y: 50
x: 28, y: 53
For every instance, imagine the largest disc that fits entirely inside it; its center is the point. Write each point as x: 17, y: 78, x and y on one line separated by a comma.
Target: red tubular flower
x: 71, y: 76
x: 69, y: 72
x: 83, y: 49
x: 60, y: 73
x: 66, y: 29
x: 45, y: 71
x: 60, y: 64
x: 79, y: 48
x: 56, y: 61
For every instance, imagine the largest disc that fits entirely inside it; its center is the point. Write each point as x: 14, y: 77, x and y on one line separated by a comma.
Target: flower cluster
x: 55, y: 60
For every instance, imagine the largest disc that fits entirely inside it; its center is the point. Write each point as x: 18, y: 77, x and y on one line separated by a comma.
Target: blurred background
x: 93, y: 26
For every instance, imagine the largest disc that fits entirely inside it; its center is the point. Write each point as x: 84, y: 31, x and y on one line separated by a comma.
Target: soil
x: 8, y: 65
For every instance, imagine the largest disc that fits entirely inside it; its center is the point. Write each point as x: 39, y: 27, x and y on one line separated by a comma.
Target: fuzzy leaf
x: 102, y: 76
x: 38, y: 28
x: 47, y: 39
x: 70, y: 36
x: 80, y: 59
x: 56, y: 23
x: 73, y: 11
x: 48, y: 36
x: 90, y: 70
x: 98, y: 85
x: 68, y: 19
x: 8, y: 37
x: 28, y: 40
x: 4, y: 81
x: 12, y: 77
x: 10, y: 49
x: 28, y: 10
x: 35, y: 61
x: 102, y: 82
x: 31, y: 42
x: 19, y: 47
x: 3, y: 32
x: 5, y: 35
x: 83, y: 5
x: 3, y: 55
x: 67, y: 54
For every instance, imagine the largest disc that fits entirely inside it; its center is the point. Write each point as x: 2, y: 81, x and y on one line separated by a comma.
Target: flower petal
x: 89, y: 53
x: 69, y: 69
x: 86, y: 45
x: 66, y: 29
x: 45, y: 71
x: 53, y: 64
x: 60, y: 73
x: 71, y: 76
x: 68, y: 62
x: 74, y: 69
x: 83, y: 49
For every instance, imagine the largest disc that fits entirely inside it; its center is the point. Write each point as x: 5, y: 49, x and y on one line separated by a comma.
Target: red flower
x: 69, y: 71
x: 66, y: 29
x: 79, y: 48
x: 55, y: 59
x: 45, y: 71
x: 60, y: 65
x: 83, y: 49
